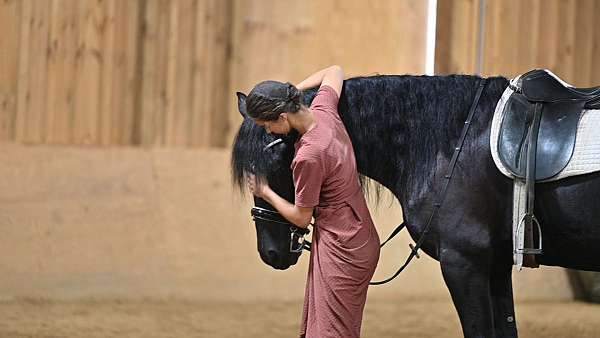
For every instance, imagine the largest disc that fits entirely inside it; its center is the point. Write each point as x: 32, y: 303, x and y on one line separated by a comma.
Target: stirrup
x: 529, y: 251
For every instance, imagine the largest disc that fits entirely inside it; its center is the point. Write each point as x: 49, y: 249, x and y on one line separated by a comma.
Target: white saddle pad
x: 586, y: 155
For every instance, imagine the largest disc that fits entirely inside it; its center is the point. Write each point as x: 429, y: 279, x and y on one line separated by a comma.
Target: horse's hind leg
x: 505, y: 324
x: 469, y: 283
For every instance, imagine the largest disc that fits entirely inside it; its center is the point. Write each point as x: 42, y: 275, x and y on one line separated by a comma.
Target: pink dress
x: 345, y: 244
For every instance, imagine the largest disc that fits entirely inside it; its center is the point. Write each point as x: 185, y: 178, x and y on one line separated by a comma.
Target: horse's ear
x: 242, y: 104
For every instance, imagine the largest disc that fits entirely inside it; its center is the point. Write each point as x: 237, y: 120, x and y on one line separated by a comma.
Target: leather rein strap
x: 436, y: 206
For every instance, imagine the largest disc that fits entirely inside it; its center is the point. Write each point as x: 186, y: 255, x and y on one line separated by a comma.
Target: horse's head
x: 268, y: 157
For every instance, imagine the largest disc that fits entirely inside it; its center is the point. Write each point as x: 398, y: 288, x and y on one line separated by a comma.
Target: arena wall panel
x: 519, y: 36
x: 165, y: 72
x: 112, y: 72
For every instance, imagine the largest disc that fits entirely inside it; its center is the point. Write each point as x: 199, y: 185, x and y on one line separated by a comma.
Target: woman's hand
x: 257, y: 187
x: 298, y: 215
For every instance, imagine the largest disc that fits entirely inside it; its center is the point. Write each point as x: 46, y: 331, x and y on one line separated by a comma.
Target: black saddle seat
x: 539, y: 85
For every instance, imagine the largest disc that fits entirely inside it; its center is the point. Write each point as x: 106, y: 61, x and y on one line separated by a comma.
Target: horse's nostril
x: 272, y: 256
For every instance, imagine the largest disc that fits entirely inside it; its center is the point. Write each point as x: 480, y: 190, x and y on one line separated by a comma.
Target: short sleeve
x: 326, y: 99
x: 308, y: 178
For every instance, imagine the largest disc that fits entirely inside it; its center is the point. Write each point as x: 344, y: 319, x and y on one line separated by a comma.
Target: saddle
x: 537, y: 138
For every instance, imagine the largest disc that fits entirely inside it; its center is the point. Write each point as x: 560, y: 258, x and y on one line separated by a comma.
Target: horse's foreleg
x: 505, y: 324
x: 469, y: 283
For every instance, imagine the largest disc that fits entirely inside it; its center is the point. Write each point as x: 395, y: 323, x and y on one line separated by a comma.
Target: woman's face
x: 280, y: 126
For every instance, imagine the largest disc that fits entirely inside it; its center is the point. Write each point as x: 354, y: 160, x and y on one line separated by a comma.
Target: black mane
x: 381, y: 114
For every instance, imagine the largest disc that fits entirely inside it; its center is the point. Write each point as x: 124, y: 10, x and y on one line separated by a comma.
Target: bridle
x: 274, y: 216
x: 298, y: 241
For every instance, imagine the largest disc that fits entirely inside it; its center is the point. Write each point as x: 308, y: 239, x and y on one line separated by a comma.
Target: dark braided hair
x: 268, y: 99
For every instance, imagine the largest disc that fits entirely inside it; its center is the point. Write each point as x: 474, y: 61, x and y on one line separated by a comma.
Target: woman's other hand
x: 300, y: 216
x: 332, y: 76
x: 257, y: 187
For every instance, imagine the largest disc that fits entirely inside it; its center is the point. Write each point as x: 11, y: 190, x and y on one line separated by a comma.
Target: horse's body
x: 404, y: 130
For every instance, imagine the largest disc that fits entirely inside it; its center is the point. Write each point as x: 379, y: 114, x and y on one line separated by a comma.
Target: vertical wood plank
x: 467, y: 25
x: 218, y: 79
x: 106, y: 118
x: 208, y: 100
x: 23, y: 90
x: 162, y: 65
x: 146, y: 127
x: 89, y: 61
x: 32, y: 103
x: 180, y: 121
x: 133, y: 65
x: 172, y: 82
x: 491, y: 54
x: 61, y: 71
x: 202, y: 63
x: 584, y: 43
x: 565, y: 40
x: 10, y: 26
x: 154, y: 88
x: 125, y: 78
x: 594, y: 69
x: 443, y: 37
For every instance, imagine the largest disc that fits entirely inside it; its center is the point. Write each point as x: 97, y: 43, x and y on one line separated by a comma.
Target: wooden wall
x: 519, y: 35
x: 113, y: 72
x: 287, y: 41
x: 164, y: 72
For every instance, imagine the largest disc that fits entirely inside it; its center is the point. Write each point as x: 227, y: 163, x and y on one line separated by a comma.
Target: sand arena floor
x: 127, y: 223
x: 154, y: 319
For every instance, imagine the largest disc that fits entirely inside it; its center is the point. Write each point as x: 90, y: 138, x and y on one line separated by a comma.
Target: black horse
x: 404, y: 130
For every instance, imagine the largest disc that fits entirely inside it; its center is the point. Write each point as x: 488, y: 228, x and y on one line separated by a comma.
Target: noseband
x: 297, y: 240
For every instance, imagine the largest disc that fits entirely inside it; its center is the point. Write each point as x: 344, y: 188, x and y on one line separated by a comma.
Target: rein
x: 297, y: 234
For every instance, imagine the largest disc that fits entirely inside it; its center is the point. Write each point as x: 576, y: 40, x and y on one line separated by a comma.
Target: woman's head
x: 269, y: 102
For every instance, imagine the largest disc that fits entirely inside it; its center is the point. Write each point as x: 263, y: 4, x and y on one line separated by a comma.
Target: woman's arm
x: 332, y: 76
x: 300, y: 216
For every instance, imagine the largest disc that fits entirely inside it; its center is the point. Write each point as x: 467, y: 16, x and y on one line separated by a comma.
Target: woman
x: 345, y: 246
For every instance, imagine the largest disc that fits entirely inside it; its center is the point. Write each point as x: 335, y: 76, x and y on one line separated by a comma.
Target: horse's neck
x: 400, y: 125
